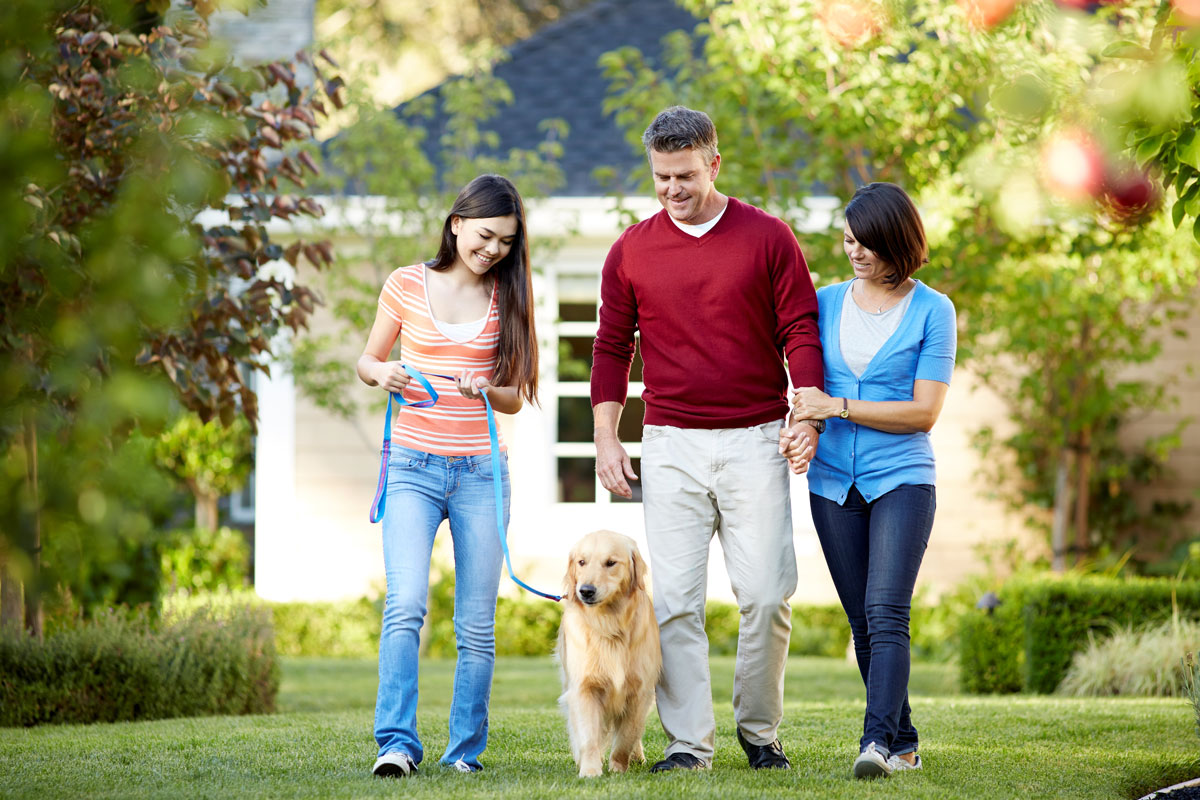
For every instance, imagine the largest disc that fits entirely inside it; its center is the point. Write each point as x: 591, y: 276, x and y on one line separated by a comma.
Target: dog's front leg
x: 627, y: 742
x: 589, y: 727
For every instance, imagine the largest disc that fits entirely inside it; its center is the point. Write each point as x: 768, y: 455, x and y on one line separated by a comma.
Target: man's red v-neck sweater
x: 717, y: 316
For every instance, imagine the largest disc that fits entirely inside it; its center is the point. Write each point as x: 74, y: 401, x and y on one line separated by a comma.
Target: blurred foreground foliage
x: 140, y: 169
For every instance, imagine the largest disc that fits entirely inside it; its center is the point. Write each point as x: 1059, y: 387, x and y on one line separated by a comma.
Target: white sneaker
x: 898, y: 764
x: 393, y: 765
x: 871, y: 764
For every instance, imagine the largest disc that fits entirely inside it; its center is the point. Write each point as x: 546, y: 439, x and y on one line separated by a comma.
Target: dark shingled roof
x: 555, y: 73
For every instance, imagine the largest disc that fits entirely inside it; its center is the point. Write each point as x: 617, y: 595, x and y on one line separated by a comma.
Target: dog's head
x: 603, y: 568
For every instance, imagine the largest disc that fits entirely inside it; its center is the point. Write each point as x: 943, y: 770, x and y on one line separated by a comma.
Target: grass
x: 320, y: 745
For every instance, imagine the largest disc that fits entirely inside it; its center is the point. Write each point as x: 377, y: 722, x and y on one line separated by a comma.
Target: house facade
x: 316, y: 474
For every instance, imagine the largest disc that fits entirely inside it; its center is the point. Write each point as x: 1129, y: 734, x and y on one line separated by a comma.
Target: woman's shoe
x: 898, y: 764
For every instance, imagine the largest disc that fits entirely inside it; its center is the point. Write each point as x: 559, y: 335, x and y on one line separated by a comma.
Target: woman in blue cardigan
x: 889, y: 343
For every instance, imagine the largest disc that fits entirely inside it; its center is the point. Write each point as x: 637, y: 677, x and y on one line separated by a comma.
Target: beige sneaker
x: 898, y: 764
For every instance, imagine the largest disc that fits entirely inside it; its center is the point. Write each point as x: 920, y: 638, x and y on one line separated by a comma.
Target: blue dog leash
x: 379, y: 506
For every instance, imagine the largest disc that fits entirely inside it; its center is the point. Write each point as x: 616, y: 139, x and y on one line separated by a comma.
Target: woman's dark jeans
x: 874, y: 551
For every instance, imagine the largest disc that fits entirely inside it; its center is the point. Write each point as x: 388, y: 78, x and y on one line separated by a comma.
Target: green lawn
x: 320, y: 745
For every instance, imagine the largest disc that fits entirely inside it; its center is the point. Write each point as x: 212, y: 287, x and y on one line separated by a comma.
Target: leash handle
x: 379, y: 505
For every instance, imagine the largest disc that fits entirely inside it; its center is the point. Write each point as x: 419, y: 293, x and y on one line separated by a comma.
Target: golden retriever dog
x: 608, y: 650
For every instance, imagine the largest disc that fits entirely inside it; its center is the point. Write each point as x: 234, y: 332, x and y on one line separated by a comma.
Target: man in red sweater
x: 720, y: 295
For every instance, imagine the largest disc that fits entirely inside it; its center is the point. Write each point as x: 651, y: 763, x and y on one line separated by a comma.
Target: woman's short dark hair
x: 884, y: 220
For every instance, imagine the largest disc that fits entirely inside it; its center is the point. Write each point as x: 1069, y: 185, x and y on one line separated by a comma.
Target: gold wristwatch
x: 845, y: 412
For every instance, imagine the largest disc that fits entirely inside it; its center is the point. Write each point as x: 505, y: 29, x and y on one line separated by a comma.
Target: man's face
x: 683, y: 181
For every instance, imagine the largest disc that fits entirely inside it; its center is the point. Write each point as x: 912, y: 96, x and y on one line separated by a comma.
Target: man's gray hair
x: 678, y: 128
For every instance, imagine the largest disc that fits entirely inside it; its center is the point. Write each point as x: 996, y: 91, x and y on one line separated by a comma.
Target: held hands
x: 798, y: 444
x: 809, y: 402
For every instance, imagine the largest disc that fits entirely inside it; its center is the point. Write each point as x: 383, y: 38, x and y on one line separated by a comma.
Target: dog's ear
x: 570, y: 579
x: 637, y: 580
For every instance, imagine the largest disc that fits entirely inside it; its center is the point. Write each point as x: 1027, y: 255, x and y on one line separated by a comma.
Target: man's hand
x: 798, y: 444
x: 613, y: 465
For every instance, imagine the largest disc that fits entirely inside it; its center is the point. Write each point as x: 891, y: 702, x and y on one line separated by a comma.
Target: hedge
x: 130, y: 666
x: 1027, y: 643
x: 524, y: 627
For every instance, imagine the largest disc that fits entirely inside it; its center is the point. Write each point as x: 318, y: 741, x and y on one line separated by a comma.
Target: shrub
x: 990, y: 654
x: 526, y: 627
x: 128, y: 666
x: 1043, y: 621
x: 1191, y: 683
x: 348, y: 629
x: 204, y: 559
x: 816, y: 630
x: 1144, y: 662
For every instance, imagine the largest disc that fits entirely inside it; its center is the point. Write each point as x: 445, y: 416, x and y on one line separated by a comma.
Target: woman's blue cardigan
x: 921, y: 348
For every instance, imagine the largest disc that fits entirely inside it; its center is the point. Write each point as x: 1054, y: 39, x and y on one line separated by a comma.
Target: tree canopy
x: 1029, y: 133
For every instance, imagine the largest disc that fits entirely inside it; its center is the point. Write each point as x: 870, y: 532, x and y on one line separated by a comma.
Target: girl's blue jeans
x: 424, y: 489
x: 874, y: 551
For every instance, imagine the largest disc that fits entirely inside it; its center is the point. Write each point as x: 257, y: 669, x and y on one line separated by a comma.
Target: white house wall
x: 317, y: 474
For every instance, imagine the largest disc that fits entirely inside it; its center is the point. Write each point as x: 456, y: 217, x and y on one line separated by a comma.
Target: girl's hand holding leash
x: 390, y: 376
x: 472, y: 386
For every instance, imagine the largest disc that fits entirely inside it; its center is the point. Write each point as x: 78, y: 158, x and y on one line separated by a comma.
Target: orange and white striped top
x: 455, y: 425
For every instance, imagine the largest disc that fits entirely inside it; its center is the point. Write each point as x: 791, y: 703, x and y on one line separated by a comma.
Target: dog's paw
x: 615, y: 765
x: 590, y: 770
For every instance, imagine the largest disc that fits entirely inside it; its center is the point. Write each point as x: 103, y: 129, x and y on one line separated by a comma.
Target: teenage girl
x: 468, y: 313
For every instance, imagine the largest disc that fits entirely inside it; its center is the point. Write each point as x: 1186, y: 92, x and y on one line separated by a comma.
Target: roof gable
x: 555, y: 73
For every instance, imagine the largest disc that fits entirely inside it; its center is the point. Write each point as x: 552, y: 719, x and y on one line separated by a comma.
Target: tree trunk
x: 206, y: 511
x: 12, y: 613
x: 33, y: 545
x: 1083, y: 495
x: 1062, y: 498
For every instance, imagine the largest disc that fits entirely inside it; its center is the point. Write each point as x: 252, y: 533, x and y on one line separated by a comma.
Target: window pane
x: 577, y: 312
x: 576, y: 480
x: 636, y: 486
x: 575, y: 358
x: 574, y: 419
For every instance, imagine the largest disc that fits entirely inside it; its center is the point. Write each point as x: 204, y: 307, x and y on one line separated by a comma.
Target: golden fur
x: 608, y: 650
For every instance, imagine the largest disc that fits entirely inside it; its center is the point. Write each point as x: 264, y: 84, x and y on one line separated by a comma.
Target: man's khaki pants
x: 732, y: 482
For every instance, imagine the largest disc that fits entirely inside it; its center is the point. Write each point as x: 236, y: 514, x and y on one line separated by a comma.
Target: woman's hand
x: 390, y: 376
x: 471, y: 385
x: 809, y: 402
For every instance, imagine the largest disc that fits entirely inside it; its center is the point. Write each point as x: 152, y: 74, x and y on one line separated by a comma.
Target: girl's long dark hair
x: 517, y: 357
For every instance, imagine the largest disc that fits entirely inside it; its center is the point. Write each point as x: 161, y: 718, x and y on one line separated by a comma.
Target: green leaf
x: 1188, y: 148
x: 1148, y: 149
x: 1196, y: 230
x: 1127, y: 49
x: 1177, y: 213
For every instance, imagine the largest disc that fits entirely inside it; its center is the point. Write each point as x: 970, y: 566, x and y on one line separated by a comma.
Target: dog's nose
x: 587, y: 593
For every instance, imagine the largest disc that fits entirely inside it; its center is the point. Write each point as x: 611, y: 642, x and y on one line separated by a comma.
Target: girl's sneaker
x: 393, y: 765
x: 871, y: 764
x: 898, y: 764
